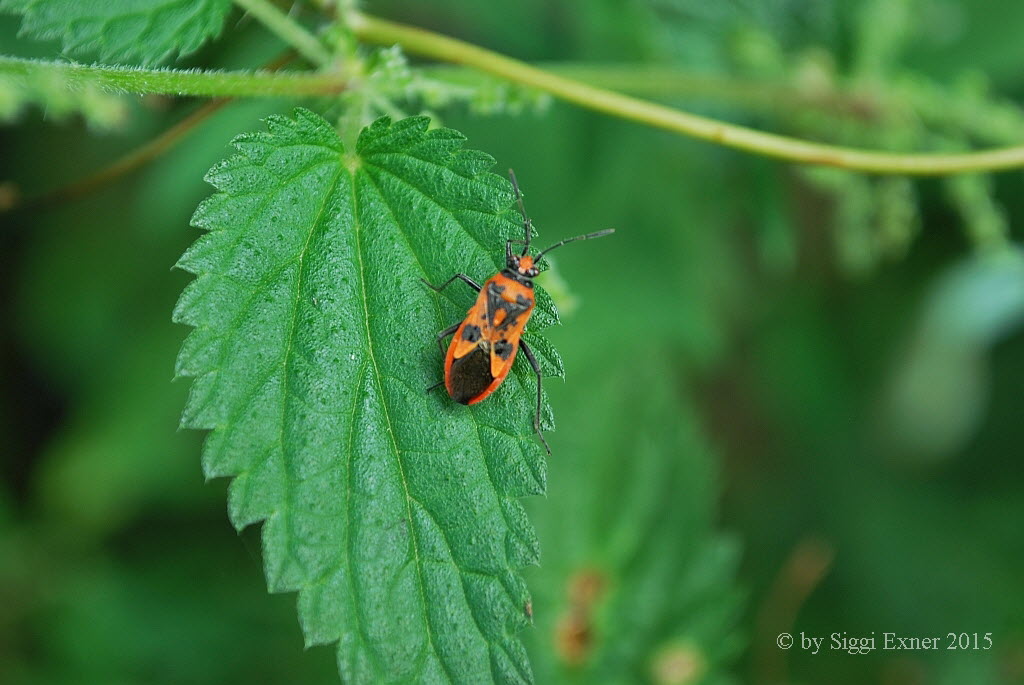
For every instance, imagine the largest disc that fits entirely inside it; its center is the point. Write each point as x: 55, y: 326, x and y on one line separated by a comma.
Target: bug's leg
x: 536, y: 369
x: 444, y: 334
x: 440, y: 345
x: 463, y: 277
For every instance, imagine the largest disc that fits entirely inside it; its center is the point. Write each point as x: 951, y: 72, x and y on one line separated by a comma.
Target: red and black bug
x: 484, y: 345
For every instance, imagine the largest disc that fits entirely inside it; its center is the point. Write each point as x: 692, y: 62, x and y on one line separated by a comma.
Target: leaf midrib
x: 358, y: 230
x: 476, y: 422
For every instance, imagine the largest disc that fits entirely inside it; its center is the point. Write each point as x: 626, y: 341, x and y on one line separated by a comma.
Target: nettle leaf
x: 638, y: 586
x: 393, y: 512
x: 138, y: 31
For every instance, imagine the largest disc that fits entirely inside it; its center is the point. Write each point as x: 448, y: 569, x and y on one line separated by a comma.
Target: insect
x: 484, y: 345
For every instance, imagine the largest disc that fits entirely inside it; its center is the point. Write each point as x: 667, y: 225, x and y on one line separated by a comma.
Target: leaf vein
x: 357, y: 224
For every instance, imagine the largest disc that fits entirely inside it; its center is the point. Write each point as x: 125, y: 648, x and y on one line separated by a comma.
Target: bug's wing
x: 468, y: 378
x: 485, y: 345
x: 474, y: 329
x: 468, y: 362
x: 503, y: 353
x: 508, y: 310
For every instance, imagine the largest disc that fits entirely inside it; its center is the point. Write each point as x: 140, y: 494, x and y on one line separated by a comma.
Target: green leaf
x: 393, y: 512
x: 637, y: 586
x: 138, y: 31
x: 938, y: 393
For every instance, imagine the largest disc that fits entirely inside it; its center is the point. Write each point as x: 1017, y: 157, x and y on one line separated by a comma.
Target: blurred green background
x: 791, y: 399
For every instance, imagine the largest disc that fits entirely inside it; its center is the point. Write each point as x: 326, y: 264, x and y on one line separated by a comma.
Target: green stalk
x: 175, y: 81
x: 288, y: 30
x: 429, y: 44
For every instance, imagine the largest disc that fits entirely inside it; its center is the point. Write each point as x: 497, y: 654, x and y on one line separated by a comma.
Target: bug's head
x: 522, y: 265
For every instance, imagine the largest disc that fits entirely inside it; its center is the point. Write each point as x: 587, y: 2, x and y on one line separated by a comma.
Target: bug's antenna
x: 527, y: 224
x: 588, y: 236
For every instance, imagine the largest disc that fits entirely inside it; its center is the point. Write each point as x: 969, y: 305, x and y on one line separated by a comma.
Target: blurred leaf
x: 897, y: 217
x: 967, y: 107
x: 979, y: 33
x: 775, y: 233
x: 875, y: 219
x: 128, y: 615
x: 883, y: 27
x: 984, y: 220
x: 51, y: 94
x: 862, y: 94
x: 635, y: 586
x: 136, y: 31
x: 939, y: 392
x: 391, y: 511
x: 120, y: 441
x: 700, y: 33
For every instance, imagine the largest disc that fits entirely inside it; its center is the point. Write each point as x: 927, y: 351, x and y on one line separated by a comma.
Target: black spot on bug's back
x: 470, y: 375
x: 471, y: 333
x: 522, y: 301
x: 503, y: 348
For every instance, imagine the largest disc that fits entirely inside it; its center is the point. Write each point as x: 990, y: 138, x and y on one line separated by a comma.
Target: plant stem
x: 134, y: 159
x: 429, y: 44
x: 178, y: 82
x: 673, y: 82
x: 288, y: 30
